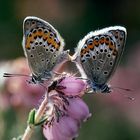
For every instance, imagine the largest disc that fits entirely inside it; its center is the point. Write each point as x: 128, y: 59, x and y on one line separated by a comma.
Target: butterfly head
x: 99, y: 88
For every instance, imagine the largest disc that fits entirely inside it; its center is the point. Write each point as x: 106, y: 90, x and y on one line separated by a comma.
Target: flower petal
x: 47, y: 131
x: 53, y: 133
x: 73, y: 86
x: 68, y: 127
x: 78, y: 110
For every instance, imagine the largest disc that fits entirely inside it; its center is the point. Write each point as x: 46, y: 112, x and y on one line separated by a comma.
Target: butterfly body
x: 43, y: 47
x: 98, y: 55
x: 98, y: 88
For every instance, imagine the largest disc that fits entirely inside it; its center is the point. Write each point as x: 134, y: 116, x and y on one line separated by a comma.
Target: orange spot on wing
x: 115, y: 52
x: 102, y: 40
x: 96, y: 42
x: 111, y: 45
x: 83, y: 51
x: 45, y: 36
x: 53, y: 42
x: 106, y: 40
x: 39, y: 33
x: 29, y: 39
x: 87, y: 49
x: 27, y: 46
x: 56, y: 46
x: 91, y: 46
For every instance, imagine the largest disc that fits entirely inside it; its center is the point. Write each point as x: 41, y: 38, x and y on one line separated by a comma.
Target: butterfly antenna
x: 14, y: 75
x: 124, y: 94
x: 57, y: 73
x: 76, y: 73
x: 82, y: 78
x: 126, y: 89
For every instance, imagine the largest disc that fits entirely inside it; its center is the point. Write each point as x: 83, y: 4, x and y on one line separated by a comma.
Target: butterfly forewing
x: 99, y: 52
x: 42, y: 45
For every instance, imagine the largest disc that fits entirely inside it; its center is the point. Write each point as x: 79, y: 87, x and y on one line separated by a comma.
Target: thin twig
x: 28, y: 133
x: 41, y: 110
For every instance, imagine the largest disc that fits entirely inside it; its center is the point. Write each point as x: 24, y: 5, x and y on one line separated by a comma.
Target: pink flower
x: 69, y: 109
x: 72, y: 86
x: 78, y: 109
x: 18, y: 92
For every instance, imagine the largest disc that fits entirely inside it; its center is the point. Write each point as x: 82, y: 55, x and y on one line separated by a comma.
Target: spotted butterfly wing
x: 42, y: 45
x: 98, y: 54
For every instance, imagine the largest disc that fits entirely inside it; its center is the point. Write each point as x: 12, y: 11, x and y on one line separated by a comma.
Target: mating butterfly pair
x: 97, y: 54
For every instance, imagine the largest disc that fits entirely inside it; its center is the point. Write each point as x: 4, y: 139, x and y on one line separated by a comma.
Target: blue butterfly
x: 98, y: 54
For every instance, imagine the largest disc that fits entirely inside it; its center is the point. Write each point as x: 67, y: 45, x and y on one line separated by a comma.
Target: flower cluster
x: 69, y: 110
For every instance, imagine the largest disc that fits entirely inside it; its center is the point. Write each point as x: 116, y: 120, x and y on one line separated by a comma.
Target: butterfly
x: 43, y: 48
x: 98, y: 54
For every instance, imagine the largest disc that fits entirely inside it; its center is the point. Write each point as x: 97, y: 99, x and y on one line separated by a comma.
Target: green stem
x: 39, y: 114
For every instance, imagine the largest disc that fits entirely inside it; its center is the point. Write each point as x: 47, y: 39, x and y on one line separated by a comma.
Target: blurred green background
x: 117, y: 119
x: 73, y: 19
